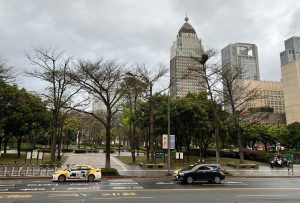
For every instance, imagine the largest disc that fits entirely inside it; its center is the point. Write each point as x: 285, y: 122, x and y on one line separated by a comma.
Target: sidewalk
x: 98, y: 160
x: 264, y: 171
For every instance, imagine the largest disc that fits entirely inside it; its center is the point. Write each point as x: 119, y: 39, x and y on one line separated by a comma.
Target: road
x: 233, y: 190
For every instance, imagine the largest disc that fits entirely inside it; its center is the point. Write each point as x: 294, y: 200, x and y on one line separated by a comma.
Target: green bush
x: 67, y: 150
x: 92, y: 150
x: 79, y: 151
x: 263, y: 156
x: 109, y: 172
x: 111, y: 151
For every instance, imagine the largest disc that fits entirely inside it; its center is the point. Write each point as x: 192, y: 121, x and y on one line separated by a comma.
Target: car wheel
x: 61, y: 178
x: 91, y: 178
x: 189, y: 180
x: 217, y: 179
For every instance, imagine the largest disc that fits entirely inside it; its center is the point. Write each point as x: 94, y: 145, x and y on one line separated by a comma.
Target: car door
x: 74, y: 172
x: 203, y: 173
x: 84, y: 171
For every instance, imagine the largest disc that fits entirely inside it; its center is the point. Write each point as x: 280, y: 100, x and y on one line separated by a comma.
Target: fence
x: 26, y: 170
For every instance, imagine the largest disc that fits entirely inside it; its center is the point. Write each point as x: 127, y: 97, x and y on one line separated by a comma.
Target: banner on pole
x: 165, y: 141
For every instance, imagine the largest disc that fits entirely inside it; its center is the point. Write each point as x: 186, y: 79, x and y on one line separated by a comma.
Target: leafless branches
x: 7, y: 73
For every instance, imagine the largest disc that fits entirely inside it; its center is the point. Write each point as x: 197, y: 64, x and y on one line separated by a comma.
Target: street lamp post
x: 169, y: 132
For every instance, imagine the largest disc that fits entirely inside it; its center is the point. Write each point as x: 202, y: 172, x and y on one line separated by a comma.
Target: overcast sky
x: 143, y: 31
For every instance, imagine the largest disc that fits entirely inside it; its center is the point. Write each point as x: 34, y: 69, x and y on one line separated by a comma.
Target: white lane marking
x: 120, y: 180
x: 128, y: 183
x: 126, y: 188
x: 63, y: 195
x: 8, y: 185
x: 79, y: 184
x: 123, y: 198
x: 261, y: 195
x: 3, y: 190
x: 163, y: 183
x: 41, y: 184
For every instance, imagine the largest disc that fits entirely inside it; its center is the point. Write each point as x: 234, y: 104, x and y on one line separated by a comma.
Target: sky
x: 142, y: 31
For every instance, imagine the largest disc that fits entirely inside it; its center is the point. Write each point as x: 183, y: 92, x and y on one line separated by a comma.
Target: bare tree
x: 51, y: 66
x: 208, y: 78
x: 7, y: 73
x: 134, y: 94
x: 238, y: 97
x: 149, y: 78
x: 102, y: 79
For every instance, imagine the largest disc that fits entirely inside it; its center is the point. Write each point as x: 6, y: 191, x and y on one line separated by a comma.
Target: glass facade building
x: 292, y: 50
x: 242, y: 55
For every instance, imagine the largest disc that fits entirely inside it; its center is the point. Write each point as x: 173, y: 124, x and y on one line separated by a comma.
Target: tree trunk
x: 19, y: 139
x: 1, y: 138
x: 107, y: 138
x: 54, y: 136
x: 151, y: 120
x: 240, y: 145
x: 5, y: 144
x: 217, y: 141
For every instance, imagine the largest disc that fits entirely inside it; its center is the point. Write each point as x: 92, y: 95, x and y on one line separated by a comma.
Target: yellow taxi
x: 78, y: 172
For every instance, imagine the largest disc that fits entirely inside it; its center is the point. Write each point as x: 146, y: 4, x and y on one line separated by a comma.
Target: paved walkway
x: 98, y: 160
x: 264, y: 171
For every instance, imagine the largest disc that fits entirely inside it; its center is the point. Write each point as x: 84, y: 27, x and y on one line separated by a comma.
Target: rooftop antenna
x: 186, y: 18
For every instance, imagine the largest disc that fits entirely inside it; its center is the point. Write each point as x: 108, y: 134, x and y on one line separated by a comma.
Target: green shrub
x: 109, y: 172
x: 111, y: 151
x: 67, y: 150
x: 264, y: 156
x: 79, y: 151
x: 92, y: 150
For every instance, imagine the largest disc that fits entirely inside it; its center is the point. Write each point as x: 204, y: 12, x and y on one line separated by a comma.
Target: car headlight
x: 180, y: 173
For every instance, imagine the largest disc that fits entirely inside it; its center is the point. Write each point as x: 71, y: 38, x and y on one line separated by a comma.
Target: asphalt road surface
x: 233, y: 190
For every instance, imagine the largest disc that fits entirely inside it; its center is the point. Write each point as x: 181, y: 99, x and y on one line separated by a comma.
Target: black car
x: 201, y: 172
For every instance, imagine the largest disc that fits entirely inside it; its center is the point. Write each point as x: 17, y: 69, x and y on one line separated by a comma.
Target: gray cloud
x: 143, y: 31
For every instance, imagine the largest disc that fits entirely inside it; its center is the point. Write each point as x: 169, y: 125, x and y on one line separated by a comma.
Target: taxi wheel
x: 91, y: 178
x: 61, y: 178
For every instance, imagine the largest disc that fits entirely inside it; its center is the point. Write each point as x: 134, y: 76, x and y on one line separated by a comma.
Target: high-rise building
x: 242, y: 55
x: 270, y: 94
x: 290, y: 71
x: 184, y: 50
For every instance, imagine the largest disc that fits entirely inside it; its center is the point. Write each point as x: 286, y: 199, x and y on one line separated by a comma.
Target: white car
x: 78, y: 172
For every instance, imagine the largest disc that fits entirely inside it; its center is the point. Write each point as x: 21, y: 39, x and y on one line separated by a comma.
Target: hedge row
x: 109, y: 172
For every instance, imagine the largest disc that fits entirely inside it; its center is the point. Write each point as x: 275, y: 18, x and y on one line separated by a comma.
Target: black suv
x: 203, y: 172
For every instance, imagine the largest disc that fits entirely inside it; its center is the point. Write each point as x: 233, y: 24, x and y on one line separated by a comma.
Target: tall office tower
x: 242, y: 55
x: 290, y: 71
x: 182, y: 63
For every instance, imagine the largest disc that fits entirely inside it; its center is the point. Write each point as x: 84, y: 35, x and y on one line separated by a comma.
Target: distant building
x: 290, y: 73
x: 186, y: 46
x: 242, y: 55
x: 270, y: 94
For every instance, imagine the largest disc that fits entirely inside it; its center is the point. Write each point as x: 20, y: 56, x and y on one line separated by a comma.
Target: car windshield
x: 187, y: 168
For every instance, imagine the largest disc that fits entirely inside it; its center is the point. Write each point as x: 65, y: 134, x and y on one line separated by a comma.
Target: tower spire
x: 186, y: 18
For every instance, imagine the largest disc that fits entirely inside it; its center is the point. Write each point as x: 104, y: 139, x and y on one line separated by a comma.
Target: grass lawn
x: 177, y: 164
x: 12, y: 158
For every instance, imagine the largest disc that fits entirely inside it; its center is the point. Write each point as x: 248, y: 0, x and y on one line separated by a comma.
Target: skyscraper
x: 242, y: 55
x: 290, y: 71
x: 186, y: 47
